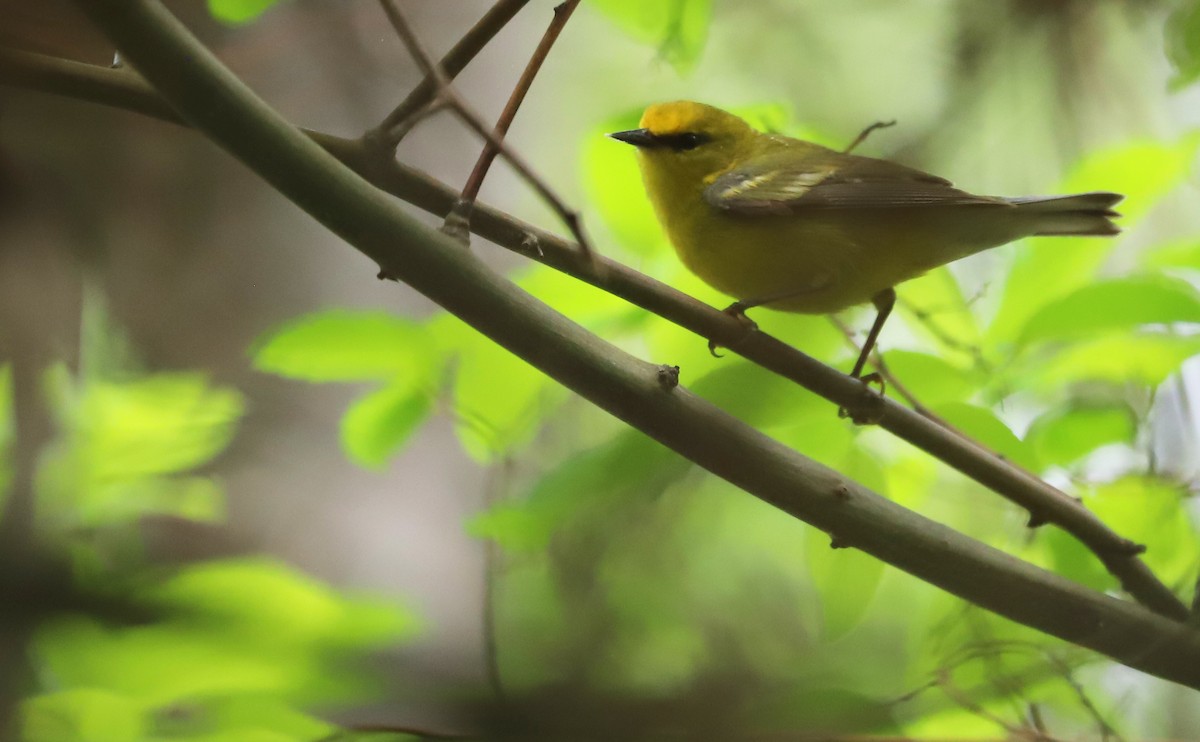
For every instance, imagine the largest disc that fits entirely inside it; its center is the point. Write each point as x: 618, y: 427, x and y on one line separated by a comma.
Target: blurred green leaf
x: 1063, y: 436
x: 1153, y: 512
x: 82, y: 715
x: 678, y: 28
x: 846, y: 578
x: 614, y: 187
x: 239, y: 717
x: 1048, y: 268
x: 347, y: 346
x: 935, y: 307
x: 1182, y: 254
x: 1182, y: 43
x: 981, y: 424
x: 1146, y: 359
x: 932, y: 379
x: 377, y: 425
x: 499, y: 399
x: 156, y: 425
x: 237, y: 12
x: 589, y: 483
x: 230, y: 627
x: 1114, y: 304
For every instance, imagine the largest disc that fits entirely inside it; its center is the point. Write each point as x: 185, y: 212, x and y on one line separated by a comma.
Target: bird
x: 790, y: 225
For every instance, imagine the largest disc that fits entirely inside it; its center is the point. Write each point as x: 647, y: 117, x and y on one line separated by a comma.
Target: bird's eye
x: 685, y: 140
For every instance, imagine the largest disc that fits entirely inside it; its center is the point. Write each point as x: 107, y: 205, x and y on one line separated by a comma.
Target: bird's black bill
x: 637, y: 137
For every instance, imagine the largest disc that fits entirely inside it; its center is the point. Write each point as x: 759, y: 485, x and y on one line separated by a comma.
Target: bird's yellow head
x: 687, y: 142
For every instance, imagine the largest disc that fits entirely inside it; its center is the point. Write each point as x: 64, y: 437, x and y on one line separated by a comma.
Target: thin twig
x: 128, y: 91
x: 862, y: 135
x: 473, y: 120
x: 562, y: 13
x: 397, y: 124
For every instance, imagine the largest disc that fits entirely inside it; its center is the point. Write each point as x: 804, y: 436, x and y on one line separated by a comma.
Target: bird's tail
x: 1081, y: 214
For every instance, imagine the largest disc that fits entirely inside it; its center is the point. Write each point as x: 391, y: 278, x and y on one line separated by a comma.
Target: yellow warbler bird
x: 783, y: 223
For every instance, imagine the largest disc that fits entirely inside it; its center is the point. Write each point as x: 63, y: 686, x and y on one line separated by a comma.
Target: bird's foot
x: 868, y: 409
x: 737, y: 310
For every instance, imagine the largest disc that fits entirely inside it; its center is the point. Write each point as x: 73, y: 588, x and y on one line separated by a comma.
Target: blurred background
x: 224, y: 414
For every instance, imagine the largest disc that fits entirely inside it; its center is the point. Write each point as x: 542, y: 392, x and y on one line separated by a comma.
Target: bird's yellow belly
x: 818, y: 263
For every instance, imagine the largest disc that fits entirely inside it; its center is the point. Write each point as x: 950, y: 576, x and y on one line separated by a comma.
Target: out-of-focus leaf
x: 846, y: 578
x: 230, y: 627
x: 1145, y: 510
x: 156, y: 425
x: 262, y: 598
x: 1063, y: 436
x: 1182, y: 43
x: 1146, y: 359
x: 251, y: 717
x: 982, y: 425
x: 614, y: 187
x: 935, y: 307
x: 1116, y: 304
x: 195, y: 498
x: 821, y: 709
x: 1048, y: 268
x: 931, y: 379
x: 597, y: 310
x: 237, y: 12
x: 1184, y: 254
x: 347, y: 346
x: 678, y: 28
x: 82, y: 715
x: 590, y: 482
x: 499, y: 399
x: 378, y: 424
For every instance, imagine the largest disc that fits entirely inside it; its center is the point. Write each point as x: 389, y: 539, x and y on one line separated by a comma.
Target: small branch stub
x: 668, y: 376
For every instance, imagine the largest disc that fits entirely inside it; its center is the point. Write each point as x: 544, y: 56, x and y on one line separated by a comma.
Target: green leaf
x: 982, y: 425
x: 1048, y: 268
x: 238, y: 12
x: 7, y: 430
x: 1063, y: 436
x: 157, y: 425
x: 499, y: 399
x: 1146, y: 359
x: 931, y: 379
x: 347, y: 346
x: 82, y: 715
x: 1182, y: 43
x: 377, y: 425
x: 1183, y: 254
x: 1116, y: 304
x: 1153, y: 512
x: 678, y: 27
x: 614, y: 187
x: 846, y: 578
x: 935, y: 307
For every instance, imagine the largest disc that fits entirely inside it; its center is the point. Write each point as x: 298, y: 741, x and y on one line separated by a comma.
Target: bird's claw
x: 869, y: 409
x: 737, y: 310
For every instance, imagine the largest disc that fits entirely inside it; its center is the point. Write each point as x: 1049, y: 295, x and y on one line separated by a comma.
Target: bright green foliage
x: 237, y: 12
x: 981, y: 424
x: 1140, y: 358
x: 1049, y: 268
x: 346, y: 346
x: 363, y: 346
x: 127, y: 446
x: 1063, y: 436
x: 677, y: 27
x: 1182, y: 37
x: 614, y: 188
x: 1117, y: 304
x: 83, y: 715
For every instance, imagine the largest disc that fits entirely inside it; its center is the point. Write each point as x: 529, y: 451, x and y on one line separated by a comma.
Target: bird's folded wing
x: 773, y: 185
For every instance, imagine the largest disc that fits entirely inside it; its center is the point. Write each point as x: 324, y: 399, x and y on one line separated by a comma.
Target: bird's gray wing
x: 779, y: 184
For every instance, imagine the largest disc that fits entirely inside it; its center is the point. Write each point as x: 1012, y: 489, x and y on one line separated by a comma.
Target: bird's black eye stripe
x: 683, y: 141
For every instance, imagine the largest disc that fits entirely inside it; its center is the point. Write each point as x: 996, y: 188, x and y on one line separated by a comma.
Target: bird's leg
x: 884, y: 301
x: 869, y: 412
x: 866, y: 133
x: 737, y: 310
